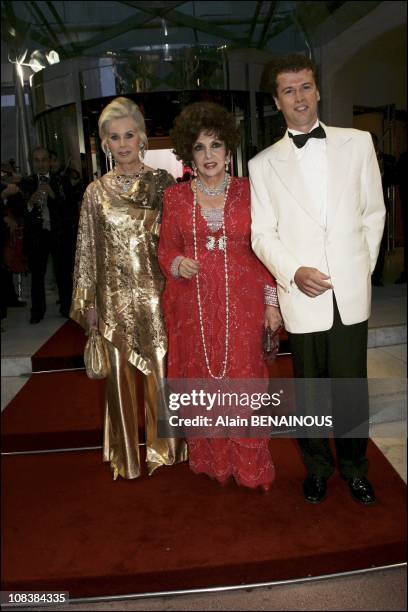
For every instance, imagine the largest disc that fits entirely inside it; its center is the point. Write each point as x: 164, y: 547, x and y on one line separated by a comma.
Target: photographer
x: 11, y: 221
x: 47, y: 232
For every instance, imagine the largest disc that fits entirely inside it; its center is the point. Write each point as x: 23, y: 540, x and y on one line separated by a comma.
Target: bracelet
x: 271, y: 296
x: 174, y: 268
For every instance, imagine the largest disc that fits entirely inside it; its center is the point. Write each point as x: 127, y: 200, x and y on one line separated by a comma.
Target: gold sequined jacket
x: 116, y: 268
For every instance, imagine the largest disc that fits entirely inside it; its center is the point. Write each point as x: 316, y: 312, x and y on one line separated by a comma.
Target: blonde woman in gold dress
x: 117, y: 288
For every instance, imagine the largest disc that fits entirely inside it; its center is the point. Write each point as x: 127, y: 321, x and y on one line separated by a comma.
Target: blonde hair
x: 120, y: 108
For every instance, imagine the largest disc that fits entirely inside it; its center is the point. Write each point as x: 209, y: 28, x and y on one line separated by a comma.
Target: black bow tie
x: 301, y: 139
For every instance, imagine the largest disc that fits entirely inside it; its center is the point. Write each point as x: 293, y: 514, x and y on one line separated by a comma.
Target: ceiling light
x: 35, y: 65
x: 52, y: 57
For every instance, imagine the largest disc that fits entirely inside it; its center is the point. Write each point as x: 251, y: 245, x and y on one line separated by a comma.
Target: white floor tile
x: 10, y: 386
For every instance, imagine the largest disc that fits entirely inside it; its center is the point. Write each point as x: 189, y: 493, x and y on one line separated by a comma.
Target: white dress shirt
x: 312, y: 160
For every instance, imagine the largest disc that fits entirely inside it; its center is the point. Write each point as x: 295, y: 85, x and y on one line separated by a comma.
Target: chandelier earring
x: 142, y: 151
x: 227, y: 164
x: 109, y: 159
x: 194, y: 167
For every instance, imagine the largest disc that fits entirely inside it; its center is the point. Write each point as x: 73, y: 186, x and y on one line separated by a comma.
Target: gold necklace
x: 125, y: 181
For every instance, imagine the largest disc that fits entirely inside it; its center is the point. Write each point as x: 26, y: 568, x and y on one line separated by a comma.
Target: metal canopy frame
x: 31, y: 24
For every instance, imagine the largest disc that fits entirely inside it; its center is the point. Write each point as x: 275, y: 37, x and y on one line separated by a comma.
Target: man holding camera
x: 46, y: 234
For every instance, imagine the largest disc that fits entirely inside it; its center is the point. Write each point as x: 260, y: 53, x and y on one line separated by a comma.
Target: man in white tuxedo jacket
x: 317, y: 221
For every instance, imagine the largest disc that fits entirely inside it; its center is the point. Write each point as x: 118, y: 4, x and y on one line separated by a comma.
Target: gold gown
x: 117, y: 272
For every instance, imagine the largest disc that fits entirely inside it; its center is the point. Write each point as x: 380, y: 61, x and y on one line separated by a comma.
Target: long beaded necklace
x: 200, y: 310
x: 125, y: 181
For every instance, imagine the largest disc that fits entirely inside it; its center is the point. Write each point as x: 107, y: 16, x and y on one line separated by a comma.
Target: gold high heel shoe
x: 115, y: 471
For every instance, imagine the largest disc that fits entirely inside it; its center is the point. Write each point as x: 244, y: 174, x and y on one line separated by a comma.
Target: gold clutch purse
x: 95, y: 356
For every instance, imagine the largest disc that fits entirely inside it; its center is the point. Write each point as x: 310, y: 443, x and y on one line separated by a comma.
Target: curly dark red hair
x: 202, y: 117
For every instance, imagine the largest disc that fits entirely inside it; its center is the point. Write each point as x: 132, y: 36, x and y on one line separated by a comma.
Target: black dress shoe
x: 361, y: 490
x: 35, y: 318
x: 402, y: 279
x: 315, y: 489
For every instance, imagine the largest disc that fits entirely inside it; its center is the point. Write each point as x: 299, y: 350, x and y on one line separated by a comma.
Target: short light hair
x: 120, y: 108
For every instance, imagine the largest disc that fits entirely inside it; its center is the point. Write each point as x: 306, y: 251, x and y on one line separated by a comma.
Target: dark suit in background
x: 49, y: 230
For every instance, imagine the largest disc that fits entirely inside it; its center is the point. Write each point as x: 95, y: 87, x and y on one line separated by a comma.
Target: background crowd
x: 39, y: 222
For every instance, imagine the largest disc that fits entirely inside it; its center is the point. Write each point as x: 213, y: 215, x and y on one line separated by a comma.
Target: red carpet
x: 65, y: 409
x: 58, y: 410
x: 64, y: 350
x: 54, y: 410
x: 67, y: 526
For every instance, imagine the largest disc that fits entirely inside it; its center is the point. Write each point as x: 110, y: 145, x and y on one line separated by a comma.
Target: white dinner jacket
x: 287, y: 233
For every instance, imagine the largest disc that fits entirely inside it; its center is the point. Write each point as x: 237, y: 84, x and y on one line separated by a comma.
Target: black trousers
x: 338, y: 353
x: 48, y: 243
x: 8, y: 292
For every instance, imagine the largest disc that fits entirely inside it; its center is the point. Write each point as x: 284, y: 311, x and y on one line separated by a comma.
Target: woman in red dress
x: 218, y: 295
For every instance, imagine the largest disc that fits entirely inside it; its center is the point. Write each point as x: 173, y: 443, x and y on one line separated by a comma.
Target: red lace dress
x: 247, y: 460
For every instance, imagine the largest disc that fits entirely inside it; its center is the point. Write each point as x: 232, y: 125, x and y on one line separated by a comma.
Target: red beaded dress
x: 247, y: 460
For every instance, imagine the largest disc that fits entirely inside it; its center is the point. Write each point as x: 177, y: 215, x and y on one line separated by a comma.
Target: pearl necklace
x: 125, y: 181
x: 213, y: 192
x: 200, y: 310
